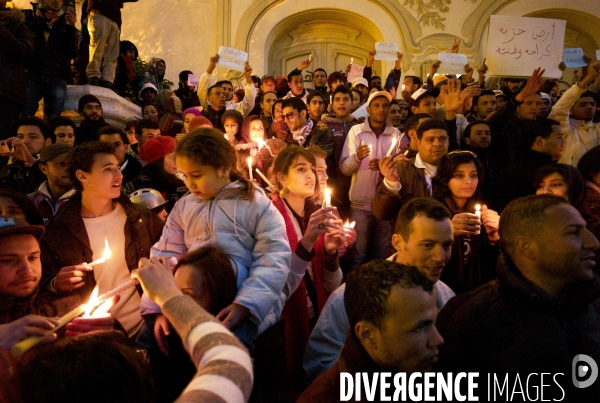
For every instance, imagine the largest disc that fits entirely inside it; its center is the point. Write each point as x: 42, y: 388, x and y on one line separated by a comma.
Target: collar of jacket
x: 354, y: 358
x: 574, y: 297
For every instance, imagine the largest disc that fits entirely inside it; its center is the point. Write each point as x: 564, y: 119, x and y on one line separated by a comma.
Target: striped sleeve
x: 224, y: 369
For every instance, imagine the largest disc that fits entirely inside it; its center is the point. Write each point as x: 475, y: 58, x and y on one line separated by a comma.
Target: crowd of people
x: 280, y: 235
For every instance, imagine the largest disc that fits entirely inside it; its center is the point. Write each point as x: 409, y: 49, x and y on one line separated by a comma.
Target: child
x: 226, y: 210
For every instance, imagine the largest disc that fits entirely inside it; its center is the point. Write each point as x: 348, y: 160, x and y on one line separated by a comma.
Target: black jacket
x: 88, y: 131
x: 66, y: 242
x: 52, y: 57
x: 510, y: 326
x: 16, y: 47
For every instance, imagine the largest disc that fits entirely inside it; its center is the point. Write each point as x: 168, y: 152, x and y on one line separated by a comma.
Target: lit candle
x: 105, y: 256
x: 226, y: 137
x: 250, y: 167
x: 349, y: 224
x: 402, y: 87
x: 327, y: 200
x: 331, y: 99
x: 351, y: 60
x: 267, y: 181
x: 391, y: 147
x: 261, y: 143
x: 478, y: 214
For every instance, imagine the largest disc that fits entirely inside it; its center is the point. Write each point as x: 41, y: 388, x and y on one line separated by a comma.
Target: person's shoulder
x: 325, y: 388
x: 471, y: 305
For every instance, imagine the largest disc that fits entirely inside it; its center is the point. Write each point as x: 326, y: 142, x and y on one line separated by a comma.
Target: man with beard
x: 186, y: 93
x: 575, y: 112
x: 57, y: 189
x: 91, y: 110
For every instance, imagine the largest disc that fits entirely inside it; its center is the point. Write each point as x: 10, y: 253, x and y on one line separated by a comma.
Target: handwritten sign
x: 355, y: 71
x: 518, y: 45
x: 232, y: 59
x: 386, y: 51
x: 193, y: 80
x: 452, y: 63
x: 573, y: 57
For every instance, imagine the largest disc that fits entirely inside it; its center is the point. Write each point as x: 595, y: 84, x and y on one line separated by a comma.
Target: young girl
x: 150, y: 111
x: 232, y: 123
x: 226, y: 210
x: 474, y: 253
x: 315, y: 235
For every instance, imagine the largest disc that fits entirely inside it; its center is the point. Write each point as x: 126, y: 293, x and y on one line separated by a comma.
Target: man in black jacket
x: 541, y: 314
x: 91, y: 110
x: 55, y: 46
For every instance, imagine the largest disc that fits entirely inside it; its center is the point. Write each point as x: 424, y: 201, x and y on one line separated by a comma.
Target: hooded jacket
x: 251, y: 232
x: 16, y: 47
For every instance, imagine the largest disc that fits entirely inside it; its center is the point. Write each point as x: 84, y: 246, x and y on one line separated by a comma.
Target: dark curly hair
x: 82, y: 158
x: 369, y: 285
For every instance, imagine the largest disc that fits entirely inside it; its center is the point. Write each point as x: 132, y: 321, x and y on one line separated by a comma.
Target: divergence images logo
x: 584, y: 367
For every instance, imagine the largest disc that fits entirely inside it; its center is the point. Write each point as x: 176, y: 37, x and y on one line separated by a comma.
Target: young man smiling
x: 99, y: 213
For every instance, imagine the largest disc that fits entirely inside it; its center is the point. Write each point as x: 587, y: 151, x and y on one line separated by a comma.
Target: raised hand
x: 533, y: 84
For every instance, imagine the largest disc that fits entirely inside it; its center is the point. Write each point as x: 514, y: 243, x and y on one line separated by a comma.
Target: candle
x: 310, y: 57
x: 391, y: 147
x: 250, y: 167
x: 267, y: 181
x: 105, y: 256
x: 261, y: 143
x: 351, y: 60
x: 226, y: 137
x: 331, y: 99
x: 114, y: 291
x: 327, y: 200
x: 478, y: 214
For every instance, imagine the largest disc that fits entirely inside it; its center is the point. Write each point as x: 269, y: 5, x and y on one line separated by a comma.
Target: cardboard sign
x: 193, y: 80
x: 355, y: 71
x: 519, y: 45
x: 573, y: 57
x: 386, y: 51
x: 232, y: 59
x: 452, y: 63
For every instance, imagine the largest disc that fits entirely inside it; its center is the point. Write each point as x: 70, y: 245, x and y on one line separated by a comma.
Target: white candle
x: 250, y: 167
x: 391, y: 147
x: 310, y: 57
x: 115, y: 291
x: 105, y: 256
x: 327, y: 200
x: 478, y: 214
x: 267, y: 181
x: 331, y: 99
x: 351, y: 60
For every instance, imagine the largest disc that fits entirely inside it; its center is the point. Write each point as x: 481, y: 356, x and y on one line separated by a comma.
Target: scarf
x: 301, y: 134
x: 52, y: 16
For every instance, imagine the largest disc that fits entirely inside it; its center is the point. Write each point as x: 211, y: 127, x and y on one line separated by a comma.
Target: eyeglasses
x: 290, y: 115
x: 457, y: 152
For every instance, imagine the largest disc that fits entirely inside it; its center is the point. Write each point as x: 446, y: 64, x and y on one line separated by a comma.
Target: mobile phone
x: 4, y: 148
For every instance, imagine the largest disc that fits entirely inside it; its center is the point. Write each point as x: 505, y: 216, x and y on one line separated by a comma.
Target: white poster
x: 232, y: 59
x: 193, y: 80
x: 519, y: 45
x: 452, y: 63
x: 386, y: 51
x: 573, y: 57
x: 355, y: 71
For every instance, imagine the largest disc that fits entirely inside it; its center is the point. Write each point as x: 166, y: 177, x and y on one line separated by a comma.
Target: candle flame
x: 107, y: 254
x: 327, y: 192
x: 260, y: 143
x: 402, y: 87
x: 477, y: 207
x: 92, y: 302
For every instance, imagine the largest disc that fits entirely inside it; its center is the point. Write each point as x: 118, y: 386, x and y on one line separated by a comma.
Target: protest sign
x: 519, y: 45
x: 193, y: 80
x: 386, y: 51
x: 452, y: 63
x: 355, y: 71
x: 573, y: 57
x: 232, y: 59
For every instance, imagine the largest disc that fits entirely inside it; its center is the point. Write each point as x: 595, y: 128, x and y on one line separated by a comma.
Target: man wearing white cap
x: 365, y: 144
x: 361, y: 84
x: 546, y: 106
